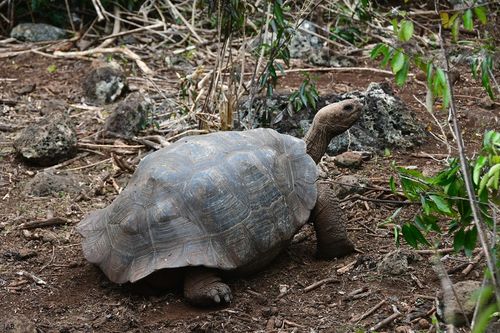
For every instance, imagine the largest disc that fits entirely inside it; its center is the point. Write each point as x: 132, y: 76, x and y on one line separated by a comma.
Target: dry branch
x: 126, y: 52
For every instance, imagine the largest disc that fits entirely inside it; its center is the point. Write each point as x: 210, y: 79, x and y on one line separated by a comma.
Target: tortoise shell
x: 224, y: 200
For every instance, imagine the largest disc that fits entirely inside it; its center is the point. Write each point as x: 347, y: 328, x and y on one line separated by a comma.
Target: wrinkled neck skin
x: 319, y: 136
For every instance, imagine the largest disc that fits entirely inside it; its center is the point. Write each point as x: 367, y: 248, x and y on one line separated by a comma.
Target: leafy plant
x: 445, y: 195
x: 306, y: 97
x: 482, y: 64
x: 277, y: 49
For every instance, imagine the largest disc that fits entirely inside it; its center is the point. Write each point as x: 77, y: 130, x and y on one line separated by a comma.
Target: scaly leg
x: 328, y: 220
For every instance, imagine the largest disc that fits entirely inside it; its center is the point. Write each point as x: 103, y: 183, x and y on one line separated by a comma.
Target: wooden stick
x: 33, y: 277
x: 436, y: 251
x: 387, y: 320
x: 320, y: 283
x: 336, y: 69
x: 128, y: 53
x: 43, y: 223
x: 368, y: 312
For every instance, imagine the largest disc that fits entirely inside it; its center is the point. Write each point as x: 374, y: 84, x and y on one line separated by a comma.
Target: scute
x: 221, y: 200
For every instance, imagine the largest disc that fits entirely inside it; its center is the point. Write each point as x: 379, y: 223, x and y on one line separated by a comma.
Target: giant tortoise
x: 220, y: 202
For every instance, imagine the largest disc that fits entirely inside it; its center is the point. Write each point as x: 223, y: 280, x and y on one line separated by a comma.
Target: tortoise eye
x: 348, y: 107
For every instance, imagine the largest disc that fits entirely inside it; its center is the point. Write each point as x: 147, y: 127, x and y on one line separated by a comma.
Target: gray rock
x: 48, y: 183
x: 37, y: 32
x: 349, y: 160
x: 448, y: 306
x: 350, y: 184
x: 326, y: 58
x: 303, y: 43
x: 47, y: 142
x: 129, y: 117
x: 104, y: 84
x: 396, y: 262
x: 17, y: 323
x: 385, y: 123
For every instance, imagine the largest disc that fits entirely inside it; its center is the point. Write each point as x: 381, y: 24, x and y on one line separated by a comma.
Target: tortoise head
x: 330, y: 121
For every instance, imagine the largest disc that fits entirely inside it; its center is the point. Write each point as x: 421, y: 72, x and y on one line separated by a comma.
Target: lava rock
x: 448, y: 306
x: 349, y: 160
x: 327, y: 58
x: 396, y: 262
x: 350, y: 184
x: 304, y: 43
x: 48, y: 183
x: 17, y: 323
x: 47, y: 142
x: 129, y: 117
x: 104, y: 84
x: 37, y: 32
x: 385, y: 123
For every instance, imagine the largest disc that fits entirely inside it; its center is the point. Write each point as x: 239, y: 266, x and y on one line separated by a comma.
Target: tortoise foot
x: 335, y: 249
x: 204, y: 287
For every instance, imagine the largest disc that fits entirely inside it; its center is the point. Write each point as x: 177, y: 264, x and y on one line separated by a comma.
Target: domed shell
x: 221, y: 200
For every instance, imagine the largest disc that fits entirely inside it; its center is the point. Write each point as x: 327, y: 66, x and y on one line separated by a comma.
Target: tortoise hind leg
x: 328, y: 220
x: 202, y: 286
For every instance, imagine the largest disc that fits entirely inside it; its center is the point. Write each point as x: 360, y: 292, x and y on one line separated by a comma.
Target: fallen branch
x: 32, y: 277
x: 387, y: 320
x: 368, y: 312
x: 320, y: 283
x: 43, y: 223
x: 126, y: 52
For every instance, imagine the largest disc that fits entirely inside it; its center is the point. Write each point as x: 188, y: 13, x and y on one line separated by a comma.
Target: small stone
x: 487, y: 103
x: 24, y: 254
x: 47, y: 142
x: 396, y: 262
x: 423, y: 323
x: 130, y: 116
x: 403, y: 329
x: 48, y: 183
x: 349, y: 159
x: 349, y: 184
x: 104, y: 84
x: 27, y: 234
x: 449, y: 308
x: 37, y: 32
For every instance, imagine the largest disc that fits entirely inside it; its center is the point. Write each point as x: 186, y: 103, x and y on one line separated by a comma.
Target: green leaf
x: 395, y: 26
x: 52, y: 69
x: 402, y: 75
x: 278, y: 14
x: 445, y: 19
x: 481, y: 14
x: 429, y: 71
x: 455, y: 28
x: 467, y: 17
x: 406, y: 30
x: 380, y: 48
x: 470, y: 241
x: 392, y: 184
x: 480, y: 163
x: 441, y: 77
x: 409, y: 236
x: 397, y: 62
x: 441, y: 204
x: 413, y: 236
x: 387, y: 57
x: 459, y: 240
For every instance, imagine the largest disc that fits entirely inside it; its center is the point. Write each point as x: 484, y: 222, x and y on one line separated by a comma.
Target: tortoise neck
x: 317, y: 139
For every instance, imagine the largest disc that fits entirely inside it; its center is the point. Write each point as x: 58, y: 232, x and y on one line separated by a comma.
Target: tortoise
x: 220, y: 202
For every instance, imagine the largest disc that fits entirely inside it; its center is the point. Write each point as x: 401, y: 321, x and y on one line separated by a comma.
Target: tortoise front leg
x: 204, y: 287
x: 329, y: 223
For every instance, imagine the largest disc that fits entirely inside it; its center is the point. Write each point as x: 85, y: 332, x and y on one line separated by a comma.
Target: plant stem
x: 467, y: 177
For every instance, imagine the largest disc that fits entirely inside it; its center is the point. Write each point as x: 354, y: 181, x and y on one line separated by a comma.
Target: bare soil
x: 75, y: 296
